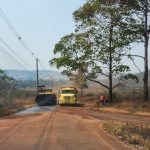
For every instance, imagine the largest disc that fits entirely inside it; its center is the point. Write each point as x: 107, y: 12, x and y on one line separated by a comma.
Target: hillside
x: 28, y: 78
x: 31, y: 75
x: 124, y: 84
x: 132, y: 83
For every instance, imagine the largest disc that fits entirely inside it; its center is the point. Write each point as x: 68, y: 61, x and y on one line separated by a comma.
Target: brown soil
x: 66, y: 128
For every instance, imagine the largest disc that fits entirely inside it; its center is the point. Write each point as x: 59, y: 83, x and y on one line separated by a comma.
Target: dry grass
x: 25, y: 102
x: 123, y: 106
x: 132, y: 106
x: 129, y: 100
x: 11, y: 101
x: 136, y: 135
x: 14, y: 105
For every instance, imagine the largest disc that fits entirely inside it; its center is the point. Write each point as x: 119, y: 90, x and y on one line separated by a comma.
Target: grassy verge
x: 11, y: 101
x: 135, y: 135
x: 130, y: 107
x: 130, y: 101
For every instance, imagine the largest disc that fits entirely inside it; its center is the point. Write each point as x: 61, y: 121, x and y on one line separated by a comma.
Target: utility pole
x: 51, y: 82
x: 37, y: 73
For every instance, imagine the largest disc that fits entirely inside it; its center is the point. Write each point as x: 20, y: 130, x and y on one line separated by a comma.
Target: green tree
x: 6, y: 82
x: 140, y: 13
x: 143, y: 9
x: 78, y: 79
x: 99, y: 44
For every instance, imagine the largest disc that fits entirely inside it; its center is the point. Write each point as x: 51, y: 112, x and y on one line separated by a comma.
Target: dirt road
x: 58, y: 128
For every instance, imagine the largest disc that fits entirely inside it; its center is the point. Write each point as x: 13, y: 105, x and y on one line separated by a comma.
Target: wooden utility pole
x: 51, y: 82
x: 37, y: 73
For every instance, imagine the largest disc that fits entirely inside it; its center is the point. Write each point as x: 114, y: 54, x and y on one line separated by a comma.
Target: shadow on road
x: 13, y: 116
x: 74, y: 105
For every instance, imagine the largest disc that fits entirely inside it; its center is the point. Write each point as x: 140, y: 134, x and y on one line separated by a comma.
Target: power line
x: 6, y: 58
x: 14, y: 31
x: 12, y: 28
x: 27, y: 48
x: 14, y: 53
x: 43, y: 68
x: 7, y: 54
x: 9, y: 24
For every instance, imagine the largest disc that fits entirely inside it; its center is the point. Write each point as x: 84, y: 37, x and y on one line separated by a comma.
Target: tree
x: 6, y: 82
x: 145, y: 9
x: 146, y: 40
x: 98, y: 46
x: 78, y: 79
x: 141, y: 10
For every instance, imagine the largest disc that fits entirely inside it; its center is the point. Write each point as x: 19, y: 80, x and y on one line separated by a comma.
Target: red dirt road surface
x: 64, y: 128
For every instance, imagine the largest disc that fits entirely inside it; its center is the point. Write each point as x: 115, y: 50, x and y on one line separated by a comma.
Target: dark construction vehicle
x: 45, y: 97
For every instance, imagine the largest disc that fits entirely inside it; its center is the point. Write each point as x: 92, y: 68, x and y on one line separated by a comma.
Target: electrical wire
x: 14, y: 31
x: 7, y: 54
x: 14, y: 53
x: 12, y: 28
x: 27, y: 48
x: 44, y: 68
x: 2, y: 14
x: 7, y: 59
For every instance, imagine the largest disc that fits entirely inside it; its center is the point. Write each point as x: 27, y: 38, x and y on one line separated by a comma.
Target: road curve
x: 58, y: 129
x: 101, y: 115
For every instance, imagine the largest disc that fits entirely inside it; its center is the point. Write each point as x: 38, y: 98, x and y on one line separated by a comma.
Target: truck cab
x: 68, y: 95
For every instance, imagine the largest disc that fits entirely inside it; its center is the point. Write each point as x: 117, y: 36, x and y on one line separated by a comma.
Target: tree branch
x: 136, y: 56
x: 116, y: 85
x: 104, y: 74
x: 95, y: 80
x: 130, y: 55
x: 136, y: 66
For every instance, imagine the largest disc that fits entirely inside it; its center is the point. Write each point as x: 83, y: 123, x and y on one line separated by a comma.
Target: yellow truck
x: 68, y: 95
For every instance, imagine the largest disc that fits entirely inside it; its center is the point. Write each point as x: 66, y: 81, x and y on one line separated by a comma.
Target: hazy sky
x: 41, y: 24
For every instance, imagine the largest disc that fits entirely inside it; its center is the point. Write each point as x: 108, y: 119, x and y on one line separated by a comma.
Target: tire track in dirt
x: 20, y: 118
x: 49, y: 131
x: 43, y: 137
x: 12, y: 130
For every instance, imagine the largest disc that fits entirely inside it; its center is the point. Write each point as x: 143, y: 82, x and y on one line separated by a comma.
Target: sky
x: 41, y: 24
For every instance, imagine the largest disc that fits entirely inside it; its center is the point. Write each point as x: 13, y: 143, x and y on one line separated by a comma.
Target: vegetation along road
x: 60, y: 128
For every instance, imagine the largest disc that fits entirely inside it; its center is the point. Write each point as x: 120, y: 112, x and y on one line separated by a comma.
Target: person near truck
x: 102, y: 99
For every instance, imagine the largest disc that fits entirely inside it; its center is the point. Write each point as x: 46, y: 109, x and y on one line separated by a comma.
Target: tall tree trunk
x: 146, y: 38
x: 110, y: 79
x: 81, y: 90
x: 110, y: 64
x: 110, y: 90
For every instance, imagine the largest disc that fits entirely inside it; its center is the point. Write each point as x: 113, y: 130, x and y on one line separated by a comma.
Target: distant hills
x: 31, y: 75
x: 130, y: 82
x: 47, y: 75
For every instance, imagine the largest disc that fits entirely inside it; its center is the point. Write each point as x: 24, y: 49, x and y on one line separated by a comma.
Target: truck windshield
x: 68, y: 91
